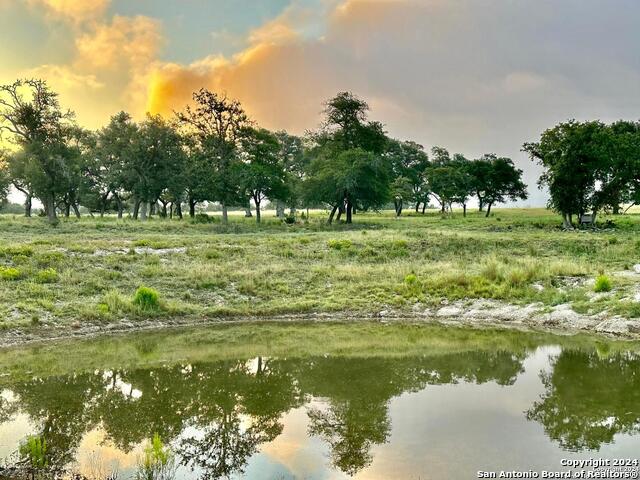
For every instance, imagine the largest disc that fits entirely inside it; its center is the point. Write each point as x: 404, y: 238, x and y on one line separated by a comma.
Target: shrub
x: 368, y: 252
x: 10, y: 273
x: 603, y: 284
x: 410, y: 279
x: 340, y: 244
x: 48, y: 275
x: 212, y: 254
x: 147, y: 298
x: 290, y: 219
x: 202, y: 218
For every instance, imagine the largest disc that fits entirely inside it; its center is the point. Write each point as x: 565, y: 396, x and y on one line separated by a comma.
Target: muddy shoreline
x: 559, y: 320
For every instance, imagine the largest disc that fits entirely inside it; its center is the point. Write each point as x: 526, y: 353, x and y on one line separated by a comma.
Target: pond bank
x: 476, y: 314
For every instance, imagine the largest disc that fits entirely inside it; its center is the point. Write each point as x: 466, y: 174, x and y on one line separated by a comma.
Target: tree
x: 5, y: 179
x: 262, y: 173
x: 156, y: 160
x: 31, y: 114
x: 108, y: 172
x: 439, y: 176
x: 572, y: 154
x: 17, y: 167
x: 295, y: 162
x: 353, y: 178
x: 462, y: 181
x: 496, y: 180
x: 621, y: 183
x: 409, y: 161
x: 400, y: 191
x: 218, y: 124
x: 198, y: 175
x: 348, y: 170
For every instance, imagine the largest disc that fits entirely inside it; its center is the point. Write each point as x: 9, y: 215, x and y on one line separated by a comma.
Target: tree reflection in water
x: 217, y: 415
x: 589, y: 398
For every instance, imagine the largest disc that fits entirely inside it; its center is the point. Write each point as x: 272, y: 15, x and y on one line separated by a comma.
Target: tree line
x: 211, y: 151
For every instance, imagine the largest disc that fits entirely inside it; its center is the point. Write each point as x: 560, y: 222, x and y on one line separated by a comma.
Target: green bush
x: 48, y: 275
x: 339, y: 244
x: 410, y: 279
x: 10, y: 273
x: 147, y: 298
x: 202, y: 218
x: 603, y: 284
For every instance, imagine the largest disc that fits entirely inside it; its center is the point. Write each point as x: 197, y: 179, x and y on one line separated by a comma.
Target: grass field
x: 88, y: 270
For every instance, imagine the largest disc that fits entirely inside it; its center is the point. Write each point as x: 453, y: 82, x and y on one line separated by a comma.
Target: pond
x: 324, y: 401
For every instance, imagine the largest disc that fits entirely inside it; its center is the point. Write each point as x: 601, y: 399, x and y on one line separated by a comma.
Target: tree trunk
x: 397, y: 203
x: 119, y: 202
x: 257, y: 202
x: 349, y: 212
x: 163, y: 212
x: 443, y: 209
x: 27, y: 205
x: 247, y: 212
x: 179, y: 210
x: 171, y: 210
x: 76, y: 210
x: 333, y: 212
x: 136, y: 208
x: 464, y: 209
x: 340, y: 211
x: 280, y: 208
x: 67, y: 209
x: 566, y: 222
x: 192, y: 208
x: 417, y: 207
x: 616, y: 209
x: 51, y: 209
x: 143, y: 211
x: 153, y: 206
x: 225, y: 213
x: 424, y: 207
x: 480, y: 204
x: 488, y: 210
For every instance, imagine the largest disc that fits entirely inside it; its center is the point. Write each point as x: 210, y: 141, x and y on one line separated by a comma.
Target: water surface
x: 446, y: 406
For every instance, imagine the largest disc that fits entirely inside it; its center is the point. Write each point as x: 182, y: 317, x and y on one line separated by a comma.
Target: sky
x: 474, y: 76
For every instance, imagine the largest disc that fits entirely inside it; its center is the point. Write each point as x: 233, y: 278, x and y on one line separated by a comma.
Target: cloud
x: 129, y: 42
x: 109, y: 66
x: 74, y: 10
x: 62, y: 77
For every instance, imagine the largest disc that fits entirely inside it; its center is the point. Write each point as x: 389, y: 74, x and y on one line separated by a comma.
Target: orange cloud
x: 74, y: 10
x: 132, y: 42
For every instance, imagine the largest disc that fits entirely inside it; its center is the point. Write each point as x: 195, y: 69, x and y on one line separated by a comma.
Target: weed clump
x: 411, y: 279
x: 147, y: 298
x: 340, y: 244
x: 603, y: 284
x: 33, y: 451
x: 157, y: 462
x: 48, y: 275
x: 10, y: 273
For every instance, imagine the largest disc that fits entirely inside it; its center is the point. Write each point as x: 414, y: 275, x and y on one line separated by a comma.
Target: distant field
x: 87, y: 270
